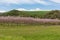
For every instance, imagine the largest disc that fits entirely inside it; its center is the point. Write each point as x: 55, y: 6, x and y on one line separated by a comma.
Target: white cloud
x: 36, y: 9
x: 22, y: 2
x: 22, y: 9
x: 56, y: 1
x: 2, y: 11
x: 41, y: 2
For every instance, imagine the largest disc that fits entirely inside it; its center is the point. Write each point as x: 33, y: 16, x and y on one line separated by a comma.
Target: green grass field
x: 29, y: 32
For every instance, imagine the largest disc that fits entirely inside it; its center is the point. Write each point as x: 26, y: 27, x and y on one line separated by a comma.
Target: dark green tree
x: 53, y: 14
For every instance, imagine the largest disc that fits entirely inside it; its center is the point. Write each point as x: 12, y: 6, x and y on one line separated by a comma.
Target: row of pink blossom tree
x: 28, y: 20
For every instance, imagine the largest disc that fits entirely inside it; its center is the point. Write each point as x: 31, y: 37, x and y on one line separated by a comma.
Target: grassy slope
x: 29, y: 32
x: 36, y: 13
x: 26, y: 13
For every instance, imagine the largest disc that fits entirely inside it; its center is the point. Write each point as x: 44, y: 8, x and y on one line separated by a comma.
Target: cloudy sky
x: 6, y: 5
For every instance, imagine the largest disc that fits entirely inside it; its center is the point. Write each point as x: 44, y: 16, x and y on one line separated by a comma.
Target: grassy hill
x: 35, y: 14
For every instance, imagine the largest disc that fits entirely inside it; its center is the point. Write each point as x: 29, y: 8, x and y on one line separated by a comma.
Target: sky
x: 31, y: 5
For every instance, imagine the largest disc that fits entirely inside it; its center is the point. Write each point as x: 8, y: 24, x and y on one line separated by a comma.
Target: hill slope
x: 54, y: 14
x: 35, y: 14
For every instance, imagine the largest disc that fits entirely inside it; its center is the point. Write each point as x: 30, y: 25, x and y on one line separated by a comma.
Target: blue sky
x: 6, y: 5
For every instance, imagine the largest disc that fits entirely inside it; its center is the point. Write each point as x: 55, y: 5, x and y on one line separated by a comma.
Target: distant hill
x: 53, y: 14
x: 35, y: 14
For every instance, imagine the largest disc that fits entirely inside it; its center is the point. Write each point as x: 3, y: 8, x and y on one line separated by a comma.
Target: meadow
x: 31, y: 25
x: 29, y: 32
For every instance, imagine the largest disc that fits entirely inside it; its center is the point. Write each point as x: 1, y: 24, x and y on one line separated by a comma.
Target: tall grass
x: 29, y: 32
